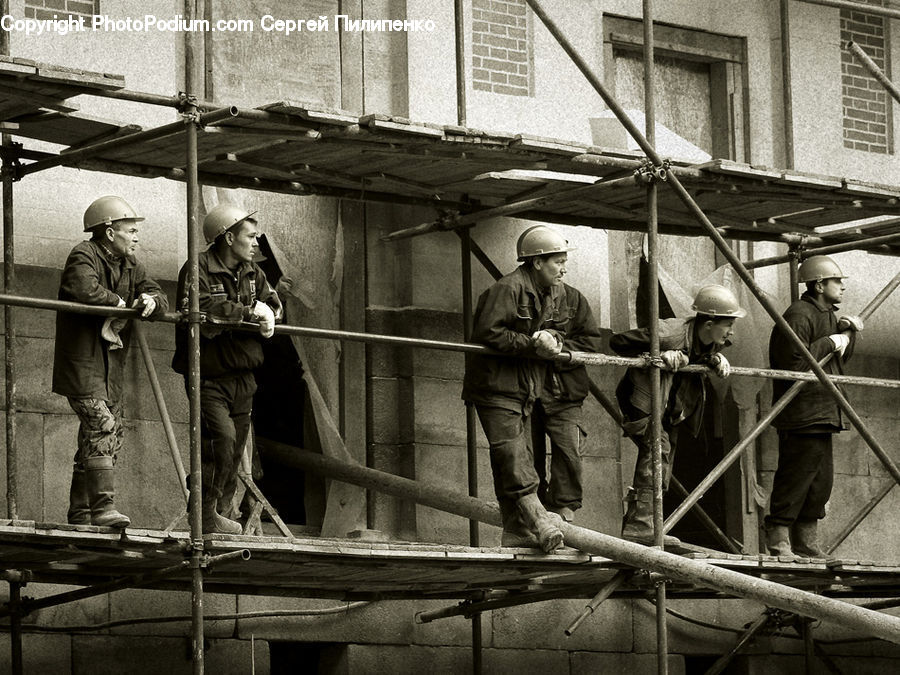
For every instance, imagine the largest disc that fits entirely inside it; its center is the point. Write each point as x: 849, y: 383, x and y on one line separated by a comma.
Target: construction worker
x: 531, y: 314
x: 805, y: 473
x: 89, y: 354
x: 696, y: 340
x: 232, y: 289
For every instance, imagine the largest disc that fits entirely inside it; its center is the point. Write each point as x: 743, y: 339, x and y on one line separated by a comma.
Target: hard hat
x: 717, y: 300
x: 107, y: 210
x: 222, y: 218
x: 541, y: 240
x: 819, y: 267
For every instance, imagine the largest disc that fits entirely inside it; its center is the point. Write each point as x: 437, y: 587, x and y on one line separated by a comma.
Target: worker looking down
x: 530, y: 314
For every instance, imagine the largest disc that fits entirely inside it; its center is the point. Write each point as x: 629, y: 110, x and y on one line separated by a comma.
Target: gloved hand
x: 673, y: 359
x: 720, y: 365
x: 266, y: 317
x: 147, y: 301
x: 841, y: 342
x: 850, y: 321
x: 121, y: 303
x: 545, y: 344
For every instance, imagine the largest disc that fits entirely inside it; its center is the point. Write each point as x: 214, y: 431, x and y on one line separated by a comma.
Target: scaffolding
x: 276, y: 149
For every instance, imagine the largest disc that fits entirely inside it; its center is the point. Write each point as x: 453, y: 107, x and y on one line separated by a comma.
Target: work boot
x: 101, y: 489
x: 213, y: 523
x: 515, y: 534
x: 79, y: 506
x: 637, y: 525
x: 563, y: 512
x: 545, y: 526
x: 778, y: 540
x: 804, y: 539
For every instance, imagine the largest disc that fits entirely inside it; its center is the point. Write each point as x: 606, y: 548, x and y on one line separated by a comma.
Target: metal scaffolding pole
x: 858, y: 244
x: 873, y: 68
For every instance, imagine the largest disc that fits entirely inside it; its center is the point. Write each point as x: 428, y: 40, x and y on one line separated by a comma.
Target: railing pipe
x: 824, y: 250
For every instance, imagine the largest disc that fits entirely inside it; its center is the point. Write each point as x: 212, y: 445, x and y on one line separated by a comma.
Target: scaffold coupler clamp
x: 12, y: 166
x: 187, y: 107
x: 446, y: 219
x: 648, y: 172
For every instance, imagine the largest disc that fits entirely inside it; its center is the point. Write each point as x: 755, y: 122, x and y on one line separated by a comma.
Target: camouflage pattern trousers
x: 100, y: 433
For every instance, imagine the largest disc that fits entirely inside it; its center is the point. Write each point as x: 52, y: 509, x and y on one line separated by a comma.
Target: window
x: 867, y: 107
x: 61, y: 9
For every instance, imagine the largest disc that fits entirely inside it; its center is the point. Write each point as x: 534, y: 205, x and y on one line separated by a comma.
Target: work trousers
x: 225, y: 407
x: 512, y: 463
x: 639, y: 430
x: 803, y: 480
x: 100, y: 431
x: 560, y: 483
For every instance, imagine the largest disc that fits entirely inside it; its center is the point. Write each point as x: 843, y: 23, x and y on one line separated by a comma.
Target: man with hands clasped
x: 805, y: 474
x: 532, y: 316
x: 89, y: 354
x: 232, y: 289
x: 697, y: 340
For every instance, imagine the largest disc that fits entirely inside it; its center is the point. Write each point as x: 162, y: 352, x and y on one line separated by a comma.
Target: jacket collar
x: 821, y: 306
x: 216, y: 266
x: 553, y: 293
x: 111, y: 258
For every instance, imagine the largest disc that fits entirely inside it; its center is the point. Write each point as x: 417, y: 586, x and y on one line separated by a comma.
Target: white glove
x: 147, y: 301
x: 674, y: 359
x: 841, y: 342
x: 121, y: 303
x: 720, y: 365
x: 545, y: 344
x: 850, y: 321
x: 262, y: 313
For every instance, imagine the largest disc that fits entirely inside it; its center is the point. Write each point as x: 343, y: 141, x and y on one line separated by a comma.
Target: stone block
x: 532, y: 627
x: 588, y: 663
x: 111, y: 655
x: 378, y: 622
x: 148, y: 489
x: 137, y: 603
x: 851, y: 454
x: 399, y: 659
x: 875, y: 537
x: 604, y: 435
x: 34, y: 368
x: 524, y: 661
x: 768, y: 450
x: 601, y: 508
x: 41, y: 653
x: 392, y: 410
x: 446, y: 467
x: 60, y: 444
x: 30, y: 464
x: 138, y: 398
x: 84, y: 612
x: 440, y: 415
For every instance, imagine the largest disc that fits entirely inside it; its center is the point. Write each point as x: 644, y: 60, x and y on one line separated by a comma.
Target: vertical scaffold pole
x: 9, y: 284
x: 794, y: 275
x: 193, y: 244
x: 662, y: 647
x: 471, y: 447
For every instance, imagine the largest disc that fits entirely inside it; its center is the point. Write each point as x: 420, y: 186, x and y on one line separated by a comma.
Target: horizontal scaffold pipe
x: 586, y: 358
x: 724, y: 580
x: 858, y: 244
x: 436, y: 497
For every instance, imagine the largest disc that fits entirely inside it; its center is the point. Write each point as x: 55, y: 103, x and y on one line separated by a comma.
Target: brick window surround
x: 61, y: 9
x: 866, y: 105
x: 502, y: 47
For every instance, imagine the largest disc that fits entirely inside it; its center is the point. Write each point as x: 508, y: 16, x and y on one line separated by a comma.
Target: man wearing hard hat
x: 805, y: 474
x: 697, y: 340
x: 531, y: 314
x: 89, y: 354
x: 232, y: 289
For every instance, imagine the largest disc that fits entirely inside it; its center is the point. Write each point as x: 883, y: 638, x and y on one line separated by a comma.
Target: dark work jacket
x: 83, y: 365
x: 227, y: 296
x: 683, y: 394
x: 813, y: 409
x: 506, y: 316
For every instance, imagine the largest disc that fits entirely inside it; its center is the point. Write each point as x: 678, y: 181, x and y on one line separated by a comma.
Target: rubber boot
x: 213, y: 523
x: 545, y: 526
x: 79, y: 505
x: 563, y: 512
x: 804, y: 539
x: 515, y: 534
x: 637, y: 525
x: 101, y: 488
x: 778, y: 540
